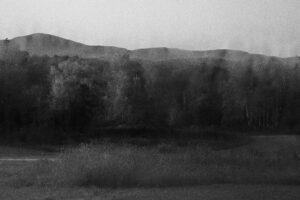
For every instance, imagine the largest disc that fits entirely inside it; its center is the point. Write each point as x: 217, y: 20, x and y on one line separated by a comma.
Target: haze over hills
x: 45, y: 44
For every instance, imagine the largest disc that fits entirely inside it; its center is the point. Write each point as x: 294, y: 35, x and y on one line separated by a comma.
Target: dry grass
x: 108, y: 165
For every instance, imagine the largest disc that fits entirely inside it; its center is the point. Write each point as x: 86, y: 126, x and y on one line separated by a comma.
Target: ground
x: 205, y: 192
x: 8, y: 168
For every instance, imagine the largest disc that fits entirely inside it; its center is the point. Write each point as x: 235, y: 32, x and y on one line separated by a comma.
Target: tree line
x: 74, y: 95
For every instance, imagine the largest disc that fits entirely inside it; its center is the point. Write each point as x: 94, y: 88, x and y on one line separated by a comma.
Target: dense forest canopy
x: 74, y: 94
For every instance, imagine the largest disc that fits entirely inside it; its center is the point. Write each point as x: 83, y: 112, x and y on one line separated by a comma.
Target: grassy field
x: 266, y: 167
x: 204, y: 192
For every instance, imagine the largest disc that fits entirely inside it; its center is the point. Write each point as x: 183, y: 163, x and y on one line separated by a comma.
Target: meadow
x: 106, y: 167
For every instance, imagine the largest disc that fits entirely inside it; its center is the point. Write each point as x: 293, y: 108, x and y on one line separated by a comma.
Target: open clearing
x: 17, y: 161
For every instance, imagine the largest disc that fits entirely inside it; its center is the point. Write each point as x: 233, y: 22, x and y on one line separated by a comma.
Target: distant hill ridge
x: 45, y: 44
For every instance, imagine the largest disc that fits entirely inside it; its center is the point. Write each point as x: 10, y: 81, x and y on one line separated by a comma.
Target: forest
x: 61, y: 97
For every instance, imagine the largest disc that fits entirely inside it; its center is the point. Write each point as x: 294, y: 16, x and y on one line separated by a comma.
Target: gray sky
x: 260, y: 26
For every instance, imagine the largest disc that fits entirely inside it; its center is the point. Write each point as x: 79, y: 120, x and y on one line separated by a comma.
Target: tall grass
x: 109, y: 165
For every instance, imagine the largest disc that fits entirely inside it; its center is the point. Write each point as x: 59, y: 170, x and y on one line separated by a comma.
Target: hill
x: 45, y: 44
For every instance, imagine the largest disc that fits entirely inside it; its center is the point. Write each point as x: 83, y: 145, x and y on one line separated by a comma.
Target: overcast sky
x: 260, y: 26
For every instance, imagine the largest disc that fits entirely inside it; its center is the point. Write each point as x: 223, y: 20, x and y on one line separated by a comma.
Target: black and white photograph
x: 149, y: 99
